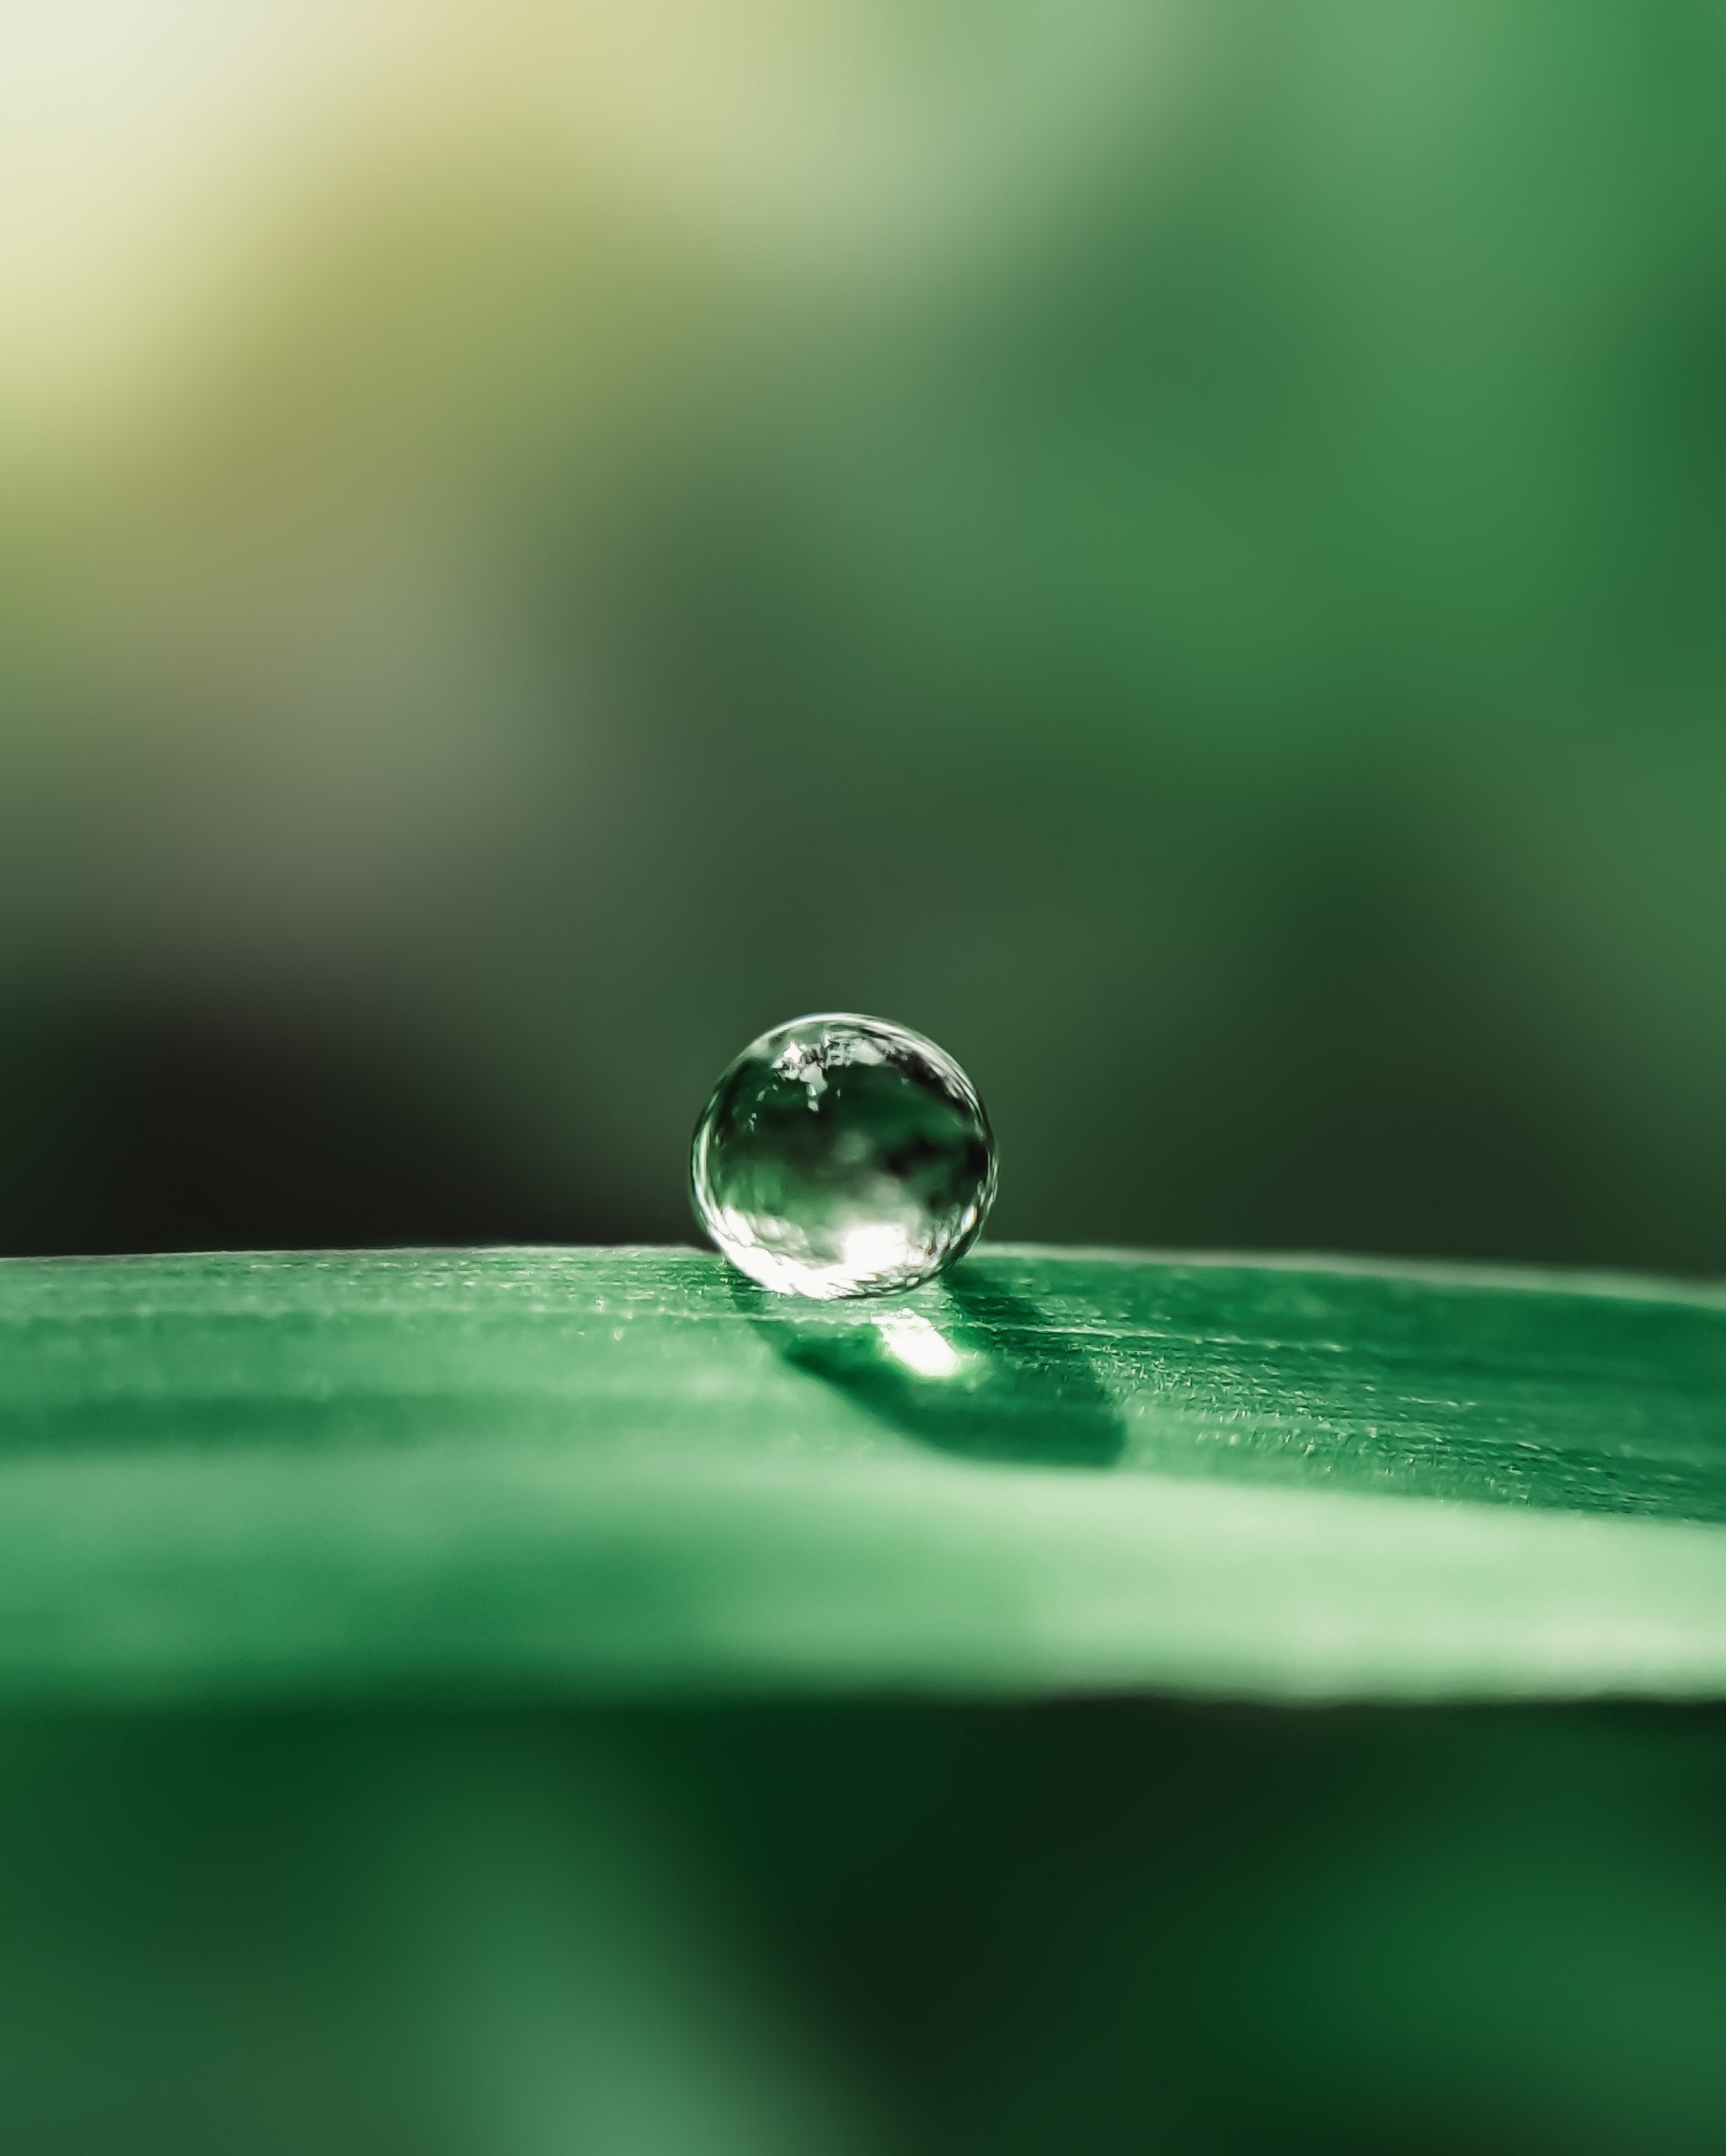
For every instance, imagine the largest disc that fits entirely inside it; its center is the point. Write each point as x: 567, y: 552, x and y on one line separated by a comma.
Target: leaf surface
x: 508, y: 1472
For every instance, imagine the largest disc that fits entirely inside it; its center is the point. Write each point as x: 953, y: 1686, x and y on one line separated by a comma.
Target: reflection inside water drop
x: 842, y: 1156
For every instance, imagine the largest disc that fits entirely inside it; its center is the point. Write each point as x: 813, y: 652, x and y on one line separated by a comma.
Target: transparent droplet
x: 840, y: 1156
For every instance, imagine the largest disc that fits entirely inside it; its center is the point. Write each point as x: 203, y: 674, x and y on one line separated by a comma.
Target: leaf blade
x: 615, y: 1472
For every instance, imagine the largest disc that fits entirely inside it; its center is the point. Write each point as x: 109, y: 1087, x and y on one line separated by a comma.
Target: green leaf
x: 628, y: 1472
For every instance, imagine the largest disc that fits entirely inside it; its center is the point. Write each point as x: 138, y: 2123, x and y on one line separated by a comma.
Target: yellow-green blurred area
x: 1175, y: 548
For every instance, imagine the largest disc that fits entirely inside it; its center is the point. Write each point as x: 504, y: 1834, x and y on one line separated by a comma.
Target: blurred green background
x: 1175, y: 548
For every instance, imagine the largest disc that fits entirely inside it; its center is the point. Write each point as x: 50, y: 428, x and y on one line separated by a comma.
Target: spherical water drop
x: 841, y: 1155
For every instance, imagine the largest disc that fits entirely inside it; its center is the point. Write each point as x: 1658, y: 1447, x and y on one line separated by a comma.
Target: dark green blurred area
x: 1203, y: 596
x: 869, y: 1929
x: 1177, y: 551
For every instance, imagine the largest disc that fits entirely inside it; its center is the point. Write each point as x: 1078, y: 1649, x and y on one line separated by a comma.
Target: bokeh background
x: 1177, y: 548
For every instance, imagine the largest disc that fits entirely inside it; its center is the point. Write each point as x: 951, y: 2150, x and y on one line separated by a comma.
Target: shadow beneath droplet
x: 961, y: 1365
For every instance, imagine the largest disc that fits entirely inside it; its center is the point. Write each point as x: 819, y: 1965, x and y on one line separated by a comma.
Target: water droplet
x: 841, y: 1155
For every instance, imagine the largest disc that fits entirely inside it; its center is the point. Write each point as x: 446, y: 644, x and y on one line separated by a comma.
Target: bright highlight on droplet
x: 842, y: 1156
